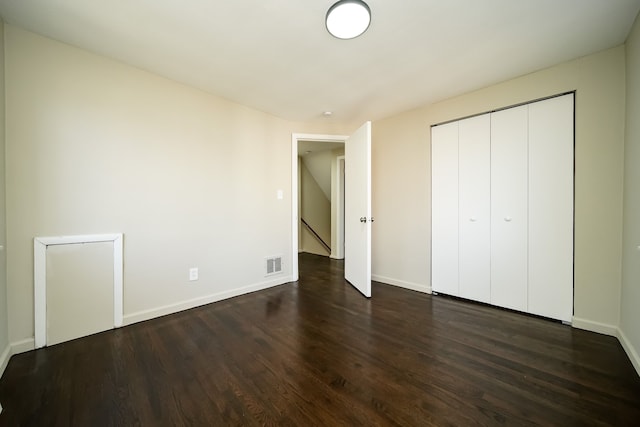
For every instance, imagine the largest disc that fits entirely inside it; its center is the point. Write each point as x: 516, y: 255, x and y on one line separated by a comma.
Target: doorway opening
x: 319, y: 150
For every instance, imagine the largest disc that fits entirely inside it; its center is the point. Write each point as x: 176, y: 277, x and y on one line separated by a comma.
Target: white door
x: 509, y: 213
x: 474, y: 199
x: 551, y: 208
x: 357, y: 233
x: 444, y: 208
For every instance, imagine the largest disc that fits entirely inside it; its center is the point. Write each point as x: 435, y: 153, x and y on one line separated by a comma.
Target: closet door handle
x: 473, y: 219
x: 508, y: 218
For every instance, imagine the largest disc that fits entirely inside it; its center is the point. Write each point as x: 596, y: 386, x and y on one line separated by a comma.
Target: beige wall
x: 401, y: 179
x: 4, y: 326
x: 629, y: 312
x: 337, y: 204
x: 315, y: 209
x: 95, y: 146
x: 318, y: 163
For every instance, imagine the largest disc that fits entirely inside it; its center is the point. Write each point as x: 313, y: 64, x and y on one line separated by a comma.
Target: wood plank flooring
x: 317, y: 353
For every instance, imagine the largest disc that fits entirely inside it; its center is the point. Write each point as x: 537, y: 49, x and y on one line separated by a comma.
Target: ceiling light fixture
x: 348, y: 19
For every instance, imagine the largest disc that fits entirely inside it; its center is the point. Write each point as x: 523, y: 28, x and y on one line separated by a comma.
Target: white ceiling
x: 276, y: 56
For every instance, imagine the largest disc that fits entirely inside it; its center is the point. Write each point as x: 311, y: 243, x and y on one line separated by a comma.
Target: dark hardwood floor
x: 318, y: 353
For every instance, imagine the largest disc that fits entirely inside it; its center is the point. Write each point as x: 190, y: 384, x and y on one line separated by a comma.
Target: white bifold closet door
x: 551, y: 208
x: 474, y: 207
x: 444, y: 213
x: 502, y: 208
x: 509, y: 208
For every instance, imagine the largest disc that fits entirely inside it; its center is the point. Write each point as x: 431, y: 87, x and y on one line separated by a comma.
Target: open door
x: 357, y: 233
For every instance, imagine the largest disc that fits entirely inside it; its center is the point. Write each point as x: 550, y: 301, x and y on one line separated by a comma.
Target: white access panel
x: 509, y: 212
x: 551, y: 208
x: 444, y: 210
x: 474, y: 201
x: 80, y: 297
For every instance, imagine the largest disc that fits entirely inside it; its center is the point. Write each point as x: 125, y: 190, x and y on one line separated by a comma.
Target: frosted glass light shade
x: 348, y: 19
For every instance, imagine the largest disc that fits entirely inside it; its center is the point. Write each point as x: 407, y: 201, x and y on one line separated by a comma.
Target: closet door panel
x: 474, y: 207
x: 509, y: 213
x: 444, y: 210
x: 551, y: 208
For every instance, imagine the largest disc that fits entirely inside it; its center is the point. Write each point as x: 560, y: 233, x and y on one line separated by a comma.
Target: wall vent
x: 273, y: 265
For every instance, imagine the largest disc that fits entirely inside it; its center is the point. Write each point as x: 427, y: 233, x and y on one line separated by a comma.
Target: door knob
x: 507, y: 218
x: 363, y: 219
x: 473, y: 219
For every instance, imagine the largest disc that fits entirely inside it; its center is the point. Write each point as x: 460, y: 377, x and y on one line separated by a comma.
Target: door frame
x: 295, y: 220
x: 337, y: 245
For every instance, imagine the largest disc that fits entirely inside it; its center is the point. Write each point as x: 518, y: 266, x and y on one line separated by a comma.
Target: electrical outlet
x: 193, y: 273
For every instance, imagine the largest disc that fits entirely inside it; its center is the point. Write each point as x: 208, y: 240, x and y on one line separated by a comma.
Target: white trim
x: 295, y: 137
x: 295, y: 245
x: 588, y: 325
x: 401, y: 283
x: 337, y: 246
x: 4, y: 359
x: 153, y: 313
x: 23, y: 346
x: 40, y: 245
x: 118, y: 280
x: 630, y: 350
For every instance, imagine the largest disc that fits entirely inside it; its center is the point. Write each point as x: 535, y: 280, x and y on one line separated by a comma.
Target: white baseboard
x: 23, y: 346
x: 614, y: 331
x: 402, y: 284
x: 630, y: 350
x: 15, y: 348
x: 4, y: 359
x: 589, y: 325
x: 152, y: 313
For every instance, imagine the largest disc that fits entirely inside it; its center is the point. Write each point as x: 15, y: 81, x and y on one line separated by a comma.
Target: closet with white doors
x: 502, y: 208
